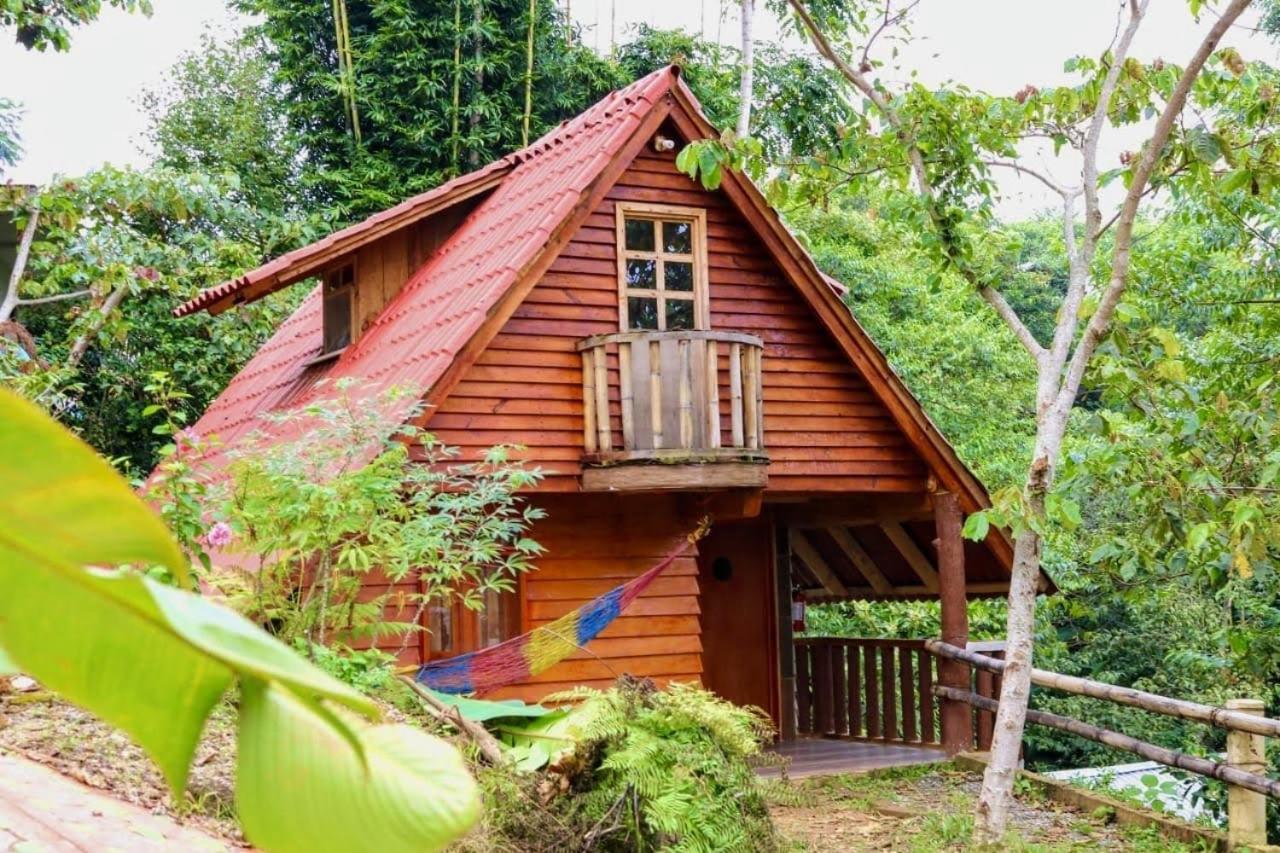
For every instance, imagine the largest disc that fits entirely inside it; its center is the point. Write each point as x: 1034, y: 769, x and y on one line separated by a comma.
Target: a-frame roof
x: 531, y: 203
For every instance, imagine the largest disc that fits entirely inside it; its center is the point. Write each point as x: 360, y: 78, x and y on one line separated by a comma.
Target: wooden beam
x: 853, y: 511
x: 911, y: 552
x: 973, y: 590
x: 861, y: 560
x: 804, y: 549
x: 657, y: 478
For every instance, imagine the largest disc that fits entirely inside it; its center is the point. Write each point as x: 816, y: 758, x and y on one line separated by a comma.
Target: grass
x: 929, y: 808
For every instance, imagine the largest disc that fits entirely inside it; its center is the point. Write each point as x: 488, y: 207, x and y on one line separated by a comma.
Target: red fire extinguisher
x: 797, y: 611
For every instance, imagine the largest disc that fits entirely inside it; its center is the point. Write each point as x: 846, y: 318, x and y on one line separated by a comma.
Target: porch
x: 868, y: 704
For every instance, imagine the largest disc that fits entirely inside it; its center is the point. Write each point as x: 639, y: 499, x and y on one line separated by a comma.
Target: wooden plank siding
x: 825, y: 430
x: 591, y: 547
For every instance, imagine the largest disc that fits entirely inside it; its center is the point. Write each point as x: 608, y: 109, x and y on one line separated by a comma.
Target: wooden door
x: 735, y: 581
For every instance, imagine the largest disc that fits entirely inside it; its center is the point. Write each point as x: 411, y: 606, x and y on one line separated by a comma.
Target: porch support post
x: 957, y: 720
x: 786, y: 637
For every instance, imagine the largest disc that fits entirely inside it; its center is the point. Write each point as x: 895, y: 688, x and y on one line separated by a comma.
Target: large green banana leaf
x: 152, y: 660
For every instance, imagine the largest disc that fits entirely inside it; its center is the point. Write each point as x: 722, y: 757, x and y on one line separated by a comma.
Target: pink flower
x: 219, y: 536
x: 186, y: 438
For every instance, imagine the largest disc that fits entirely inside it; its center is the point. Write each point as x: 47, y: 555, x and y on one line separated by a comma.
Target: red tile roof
x: 421, y: 331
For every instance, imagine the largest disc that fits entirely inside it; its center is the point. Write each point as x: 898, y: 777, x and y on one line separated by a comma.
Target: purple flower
x: 187, y: 437
x: 219, y: 536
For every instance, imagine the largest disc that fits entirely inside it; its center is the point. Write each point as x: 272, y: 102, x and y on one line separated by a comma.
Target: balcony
x: 672, y: 410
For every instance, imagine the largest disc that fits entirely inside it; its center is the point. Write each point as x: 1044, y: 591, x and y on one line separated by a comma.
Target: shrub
x: 657, y: 769
x: 319, y: 540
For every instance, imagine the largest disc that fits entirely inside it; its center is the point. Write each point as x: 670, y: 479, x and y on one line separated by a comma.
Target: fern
x: 681, y: 758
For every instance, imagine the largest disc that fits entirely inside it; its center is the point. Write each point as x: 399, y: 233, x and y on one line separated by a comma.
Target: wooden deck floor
x: 828, y: 756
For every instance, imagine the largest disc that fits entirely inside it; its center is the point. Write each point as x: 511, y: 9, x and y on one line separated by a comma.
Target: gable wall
x: 824, y: 429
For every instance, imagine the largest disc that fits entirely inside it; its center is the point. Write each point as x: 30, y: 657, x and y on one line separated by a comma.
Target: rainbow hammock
x: 541, y: 648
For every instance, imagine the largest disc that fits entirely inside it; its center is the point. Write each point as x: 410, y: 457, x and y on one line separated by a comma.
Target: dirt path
x: 923, y: 810
x: 44, y: 810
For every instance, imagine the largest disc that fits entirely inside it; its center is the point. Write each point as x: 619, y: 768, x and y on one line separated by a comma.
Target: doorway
x: 736, y: 595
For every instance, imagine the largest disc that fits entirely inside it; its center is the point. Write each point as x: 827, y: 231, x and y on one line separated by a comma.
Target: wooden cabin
x: 661, y: 352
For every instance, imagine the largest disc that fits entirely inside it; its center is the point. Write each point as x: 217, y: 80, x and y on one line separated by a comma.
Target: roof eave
x: 312, y: 259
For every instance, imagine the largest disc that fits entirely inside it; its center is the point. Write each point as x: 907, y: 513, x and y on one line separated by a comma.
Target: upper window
x: 662, y: 267
x: 339, y: 299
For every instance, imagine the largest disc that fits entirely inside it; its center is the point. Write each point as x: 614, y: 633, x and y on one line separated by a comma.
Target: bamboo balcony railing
x: 672, y: 396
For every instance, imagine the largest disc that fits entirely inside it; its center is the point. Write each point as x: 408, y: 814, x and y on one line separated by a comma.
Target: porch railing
x: 879, y: 690
x: 686, y: 393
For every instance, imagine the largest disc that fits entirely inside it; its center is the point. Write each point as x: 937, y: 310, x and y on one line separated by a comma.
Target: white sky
x: 81, y: 107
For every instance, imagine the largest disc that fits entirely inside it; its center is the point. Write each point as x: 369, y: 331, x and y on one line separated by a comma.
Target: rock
x: 24, y: 684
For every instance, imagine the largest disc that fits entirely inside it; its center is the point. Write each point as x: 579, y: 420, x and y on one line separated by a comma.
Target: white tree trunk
x: 10, y: 302
x: 747, y: 83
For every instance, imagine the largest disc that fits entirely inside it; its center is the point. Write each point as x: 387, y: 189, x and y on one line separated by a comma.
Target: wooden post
x: 655, y: 392
x: 685, y: 394
x: 751, y: 398
x: 735, y: 392
x: 604, y: 435
x: 786, y: 636
x: 957, y: 719
x: 1246, y: 810
x: 588, y: 402
x: 626, y: 396
x: 712, y: 359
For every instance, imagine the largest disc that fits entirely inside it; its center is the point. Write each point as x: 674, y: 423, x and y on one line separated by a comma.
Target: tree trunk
x: 747, y: 83
x: 10, y: 301
x: 477, y: 73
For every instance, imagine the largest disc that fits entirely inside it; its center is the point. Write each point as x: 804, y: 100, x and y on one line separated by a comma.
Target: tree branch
x: 57, y: 297
x: 1032, y: 173
x: 996, y: 300
x: 1101, y: 320
x: 992, y: 296
x: 10, y: 301
x: 81, y: 345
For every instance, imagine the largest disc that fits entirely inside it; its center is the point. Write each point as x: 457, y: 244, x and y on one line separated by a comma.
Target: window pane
x: 677, y: 237
x: 642, y: 274
x: 440, y: 624
x: 492, y: 621
x: 678, y: 276
x: 642, y: 313
x: 639, y: 235
x: 337, y: 320
x: 679, y: 314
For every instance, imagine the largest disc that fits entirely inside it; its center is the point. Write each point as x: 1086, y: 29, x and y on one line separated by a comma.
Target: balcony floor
x: 811, y: 756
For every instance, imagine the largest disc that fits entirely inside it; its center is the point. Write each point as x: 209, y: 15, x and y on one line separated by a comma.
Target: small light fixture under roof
x: 662, y: 144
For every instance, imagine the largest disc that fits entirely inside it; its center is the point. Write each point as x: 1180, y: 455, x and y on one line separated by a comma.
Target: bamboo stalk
x: 712, y: 357
x: 603, y: 434
x: 626, y: 395
x: 1152, y: 702
x: 686, y: 396
x: 735, y: 392
x: 1116, y: 740
x: 655, y: 393
x: 588, y: 402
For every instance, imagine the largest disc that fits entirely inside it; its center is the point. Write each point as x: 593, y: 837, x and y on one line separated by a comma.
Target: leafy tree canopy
x: 42, y: 24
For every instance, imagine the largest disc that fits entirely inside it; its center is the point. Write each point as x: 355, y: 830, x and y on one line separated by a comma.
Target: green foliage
x: 408, y: 58
x: 219, y: 112
x: 119, y: 247
x: 153, y: 660
x: 662, y: 768
x: 306, y: 524
x: 41, y: 24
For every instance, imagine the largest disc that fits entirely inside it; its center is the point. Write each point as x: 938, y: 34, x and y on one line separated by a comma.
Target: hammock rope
x: 542, y: 648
